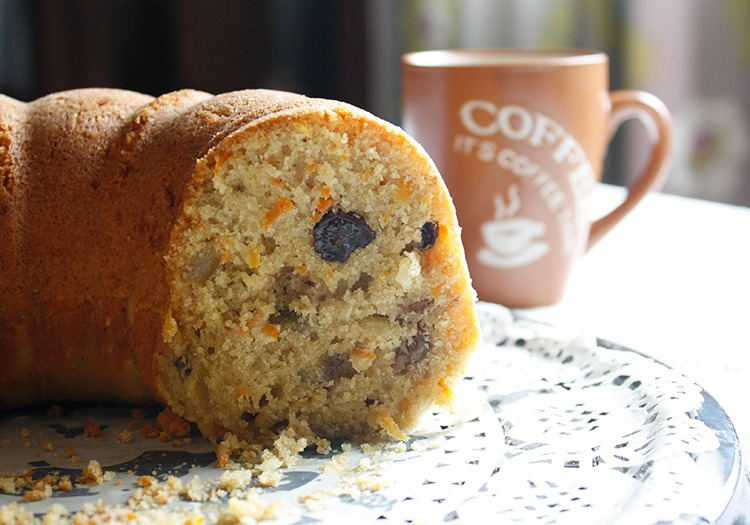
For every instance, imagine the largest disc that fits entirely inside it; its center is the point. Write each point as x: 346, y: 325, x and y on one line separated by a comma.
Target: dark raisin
x: 248, y: 417
x: 338, y: 234
x: 181, y: 364
x: 412, y: 351
x: 430, y: 231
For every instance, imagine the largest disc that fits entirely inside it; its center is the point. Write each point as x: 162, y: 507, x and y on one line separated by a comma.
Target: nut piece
x: 412, y: 352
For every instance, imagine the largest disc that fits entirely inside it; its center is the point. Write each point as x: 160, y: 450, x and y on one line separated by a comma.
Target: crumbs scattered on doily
x: 234, y: 497
x: 42, y: 488
x: 368, y: 475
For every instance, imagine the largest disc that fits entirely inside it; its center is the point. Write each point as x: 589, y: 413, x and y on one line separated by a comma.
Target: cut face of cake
x: 317, y: 282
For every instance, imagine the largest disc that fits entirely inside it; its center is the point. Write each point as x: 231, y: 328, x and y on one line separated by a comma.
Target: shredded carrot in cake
x: 324, y: 204
x: 362, y: 354
x: 283, y: 205
x: 447, y: 392
x: 243, y: 392
x: 271, y: 331
x: 390, y: 426
x: 226, y: 254
x: 253, y: 258
x: 403, y: 191
x: 279, y: 182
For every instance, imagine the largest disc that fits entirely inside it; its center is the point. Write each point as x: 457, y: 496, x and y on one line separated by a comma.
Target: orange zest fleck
x: 279, y: 182
x: 324, y: 204
x: 253, y: 258
x: 283, y: 205
x: 404, y: 191
x: 245, y: 391
x: 391, y: 427
x: 271, y: 331
x: 226, y: 255
x: 362, y: 354
x: 447, y: 392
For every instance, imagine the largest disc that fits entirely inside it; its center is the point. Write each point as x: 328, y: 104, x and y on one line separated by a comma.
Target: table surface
x: 672, y: 281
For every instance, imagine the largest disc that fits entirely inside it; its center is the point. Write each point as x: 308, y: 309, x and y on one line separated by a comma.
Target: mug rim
x: 503, y: 57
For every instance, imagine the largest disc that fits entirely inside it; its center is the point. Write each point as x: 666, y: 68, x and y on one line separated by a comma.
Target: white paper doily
x: 555, y: 428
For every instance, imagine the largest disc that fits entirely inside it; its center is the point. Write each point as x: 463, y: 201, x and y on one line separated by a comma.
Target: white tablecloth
x: 672, y: 281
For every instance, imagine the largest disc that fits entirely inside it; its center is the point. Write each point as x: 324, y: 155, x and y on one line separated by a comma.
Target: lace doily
x: 553, y: 427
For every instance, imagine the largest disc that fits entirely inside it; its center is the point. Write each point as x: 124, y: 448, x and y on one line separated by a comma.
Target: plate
x: 547, y: 426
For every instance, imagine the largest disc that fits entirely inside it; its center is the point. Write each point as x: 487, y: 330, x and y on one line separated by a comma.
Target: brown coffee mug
x: 520, y: 137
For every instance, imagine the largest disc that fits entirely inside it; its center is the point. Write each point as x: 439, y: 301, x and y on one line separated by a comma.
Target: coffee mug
x: 520, y: 138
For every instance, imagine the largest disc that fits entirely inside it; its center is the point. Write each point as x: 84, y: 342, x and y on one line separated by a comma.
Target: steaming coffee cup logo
x: 511, y: 242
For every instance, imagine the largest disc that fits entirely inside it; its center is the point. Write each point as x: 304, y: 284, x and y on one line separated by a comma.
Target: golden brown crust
x: 96, y: 175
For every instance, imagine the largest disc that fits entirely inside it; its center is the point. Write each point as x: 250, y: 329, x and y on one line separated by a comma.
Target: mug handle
x: 655, y: 116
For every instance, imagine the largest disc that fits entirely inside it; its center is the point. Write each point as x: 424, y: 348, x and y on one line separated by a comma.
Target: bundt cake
x: 256, y: 260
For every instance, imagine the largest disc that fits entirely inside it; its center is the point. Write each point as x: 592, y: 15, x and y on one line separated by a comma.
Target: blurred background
x: 693, y: 54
